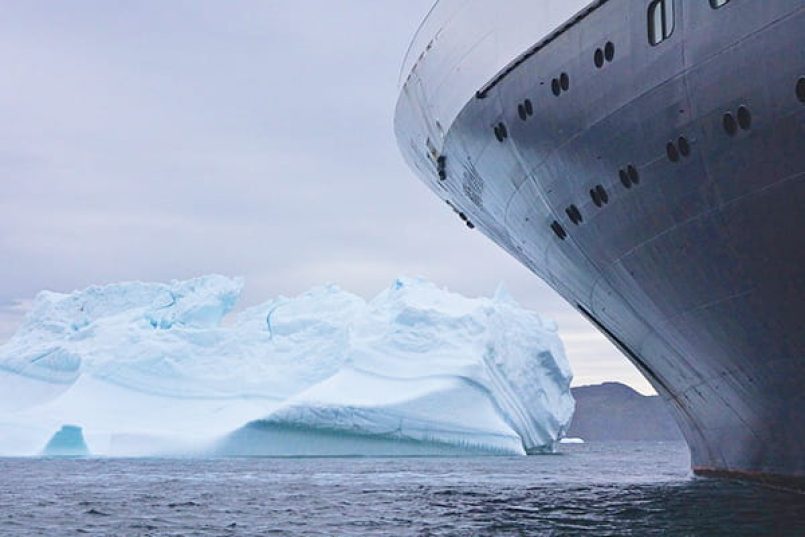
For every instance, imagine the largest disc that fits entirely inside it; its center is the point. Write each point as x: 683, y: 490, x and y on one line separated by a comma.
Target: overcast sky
x: 163, y: 139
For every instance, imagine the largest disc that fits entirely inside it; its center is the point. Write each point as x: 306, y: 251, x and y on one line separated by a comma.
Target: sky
x: 158, y: 140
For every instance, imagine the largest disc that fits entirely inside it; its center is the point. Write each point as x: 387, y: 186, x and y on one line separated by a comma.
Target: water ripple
x: 641, y: 490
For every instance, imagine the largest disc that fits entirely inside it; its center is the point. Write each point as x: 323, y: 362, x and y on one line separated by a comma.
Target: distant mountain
x: 615, y: 412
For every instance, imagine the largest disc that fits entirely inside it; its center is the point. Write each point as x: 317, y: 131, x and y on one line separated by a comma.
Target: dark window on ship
x: 596, y: 199
x: 715, y: 4
x: 684, y: 146
x: 501, y: 132
x: 574, y: 214
x: 625, y: 179
x: 744, y: 118
x: 634, y: 176
x: 730, y: 125
x: 801, y: 89
x: 599, y: 196
x: 555, y: 87
x: 605, y: 54
x: 598, y: 58
x: 603, y: 195
x: 660, y: 21
x: 609, y: 51
x: 525, y: 109
x: 559, y: 230
x: 630, y: 176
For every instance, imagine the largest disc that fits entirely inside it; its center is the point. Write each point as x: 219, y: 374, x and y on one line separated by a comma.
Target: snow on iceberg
x: 150, y: 368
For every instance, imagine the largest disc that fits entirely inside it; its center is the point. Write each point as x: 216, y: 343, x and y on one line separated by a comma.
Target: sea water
x: 592, y: 489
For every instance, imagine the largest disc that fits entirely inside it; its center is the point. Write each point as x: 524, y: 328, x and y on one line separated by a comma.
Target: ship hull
x: 629, y: 191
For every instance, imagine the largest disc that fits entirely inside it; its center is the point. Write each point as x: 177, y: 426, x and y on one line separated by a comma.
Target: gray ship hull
x: 663, y: 195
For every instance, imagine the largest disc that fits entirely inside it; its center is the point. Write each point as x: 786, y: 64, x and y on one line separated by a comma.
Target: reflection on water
x: 605, y: 489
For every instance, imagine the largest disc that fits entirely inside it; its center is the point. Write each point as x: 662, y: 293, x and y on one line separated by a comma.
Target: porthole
x: 625, y: 181
x: 521, y: 112
x: 559, y: 230
x: 555, y: 87
x: 744, y: 118
x: 801, y: 89
x: 501, y: 132
x: 599, y: 58
x: 673, y: 153
x: 609, y: 51
x: 634, y: 176
x: 596, y: 199
x: 730, y: 125
x: 574, y: 214
x: 684, y: 146
x: 564, y: 81
x: 529, y: 107
x: 715, y: 4
x: 599, y: 196
x: 602, y: 194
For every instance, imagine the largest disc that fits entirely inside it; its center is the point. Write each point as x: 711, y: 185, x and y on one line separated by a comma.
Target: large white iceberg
x: 150, y: 369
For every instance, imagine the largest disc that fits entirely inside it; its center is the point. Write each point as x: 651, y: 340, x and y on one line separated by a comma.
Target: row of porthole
x: 574, y: 214
x: 525, y: 109
x: 675, y: 151
x: 744, y: 121
x: 560, y: 84
x: 629, y: 177
x: 743, y: 117
x: 599, y: 195
x: 607, y: 54
x: 678, y: 150
x: 461, y: 215
x: 441, y: 167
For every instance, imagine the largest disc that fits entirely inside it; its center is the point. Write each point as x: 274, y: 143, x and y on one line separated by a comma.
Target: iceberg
x: 156, y: 369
